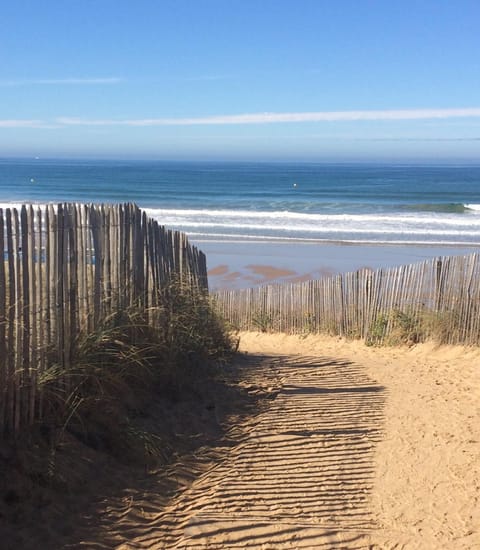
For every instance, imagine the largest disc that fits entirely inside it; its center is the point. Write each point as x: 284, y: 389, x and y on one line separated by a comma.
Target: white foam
x: 234, y: 238
x: 415, y: 228
x: 401, y: 228
x: 180, y: 216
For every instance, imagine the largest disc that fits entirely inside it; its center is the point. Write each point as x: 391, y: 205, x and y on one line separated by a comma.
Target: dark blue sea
x: 259, y: 202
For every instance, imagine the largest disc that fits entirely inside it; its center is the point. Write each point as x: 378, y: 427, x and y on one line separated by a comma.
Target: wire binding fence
x: 65, y: 269
x: 438, y: 298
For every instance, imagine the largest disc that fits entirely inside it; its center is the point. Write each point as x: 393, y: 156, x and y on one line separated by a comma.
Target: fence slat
x: 3, y: 327
x: 363, y: 303
x: 64, y: 269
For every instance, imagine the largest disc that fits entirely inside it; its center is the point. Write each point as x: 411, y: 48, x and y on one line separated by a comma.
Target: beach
x: 276, y: 222
x: 233, y: 265
x: 303, y: 442
x: 240, y: 275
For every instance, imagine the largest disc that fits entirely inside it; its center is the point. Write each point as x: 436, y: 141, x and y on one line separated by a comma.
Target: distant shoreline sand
x: 245, y: 264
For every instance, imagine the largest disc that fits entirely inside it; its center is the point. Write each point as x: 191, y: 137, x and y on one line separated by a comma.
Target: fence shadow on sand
x: 301, y: 474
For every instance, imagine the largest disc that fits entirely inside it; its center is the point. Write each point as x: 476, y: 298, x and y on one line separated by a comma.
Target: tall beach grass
x: 118, y: 372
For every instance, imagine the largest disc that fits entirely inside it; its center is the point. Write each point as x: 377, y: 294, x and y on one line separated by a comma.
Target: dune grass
x: 121, y: 368
x: 408, y: 327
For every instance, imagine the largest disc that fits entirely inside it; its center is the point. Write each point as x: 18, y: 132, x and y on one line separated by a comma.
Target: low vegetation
x: 411, y: 327
x: 121, y: 367
x: 102, y: 404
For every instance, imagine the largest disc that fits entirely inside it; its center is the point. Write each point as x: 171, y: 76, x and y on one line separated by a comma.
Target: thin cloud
x: 12, y: 123
x: 61, y: 81
x: 270, y: 118
x: 72, y: 121
x: 254, y: 118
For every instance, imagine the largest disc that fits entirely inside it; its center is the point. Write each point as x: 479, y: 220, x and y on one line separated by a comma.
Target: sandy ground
x: 426, y: 484
x: 346, y: 447
x: 258, y: 274
x: 355, y: 447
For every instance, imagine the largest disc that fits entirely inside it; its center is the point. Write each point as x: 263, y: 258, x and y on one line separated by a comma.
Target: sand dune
x: 358, y: 448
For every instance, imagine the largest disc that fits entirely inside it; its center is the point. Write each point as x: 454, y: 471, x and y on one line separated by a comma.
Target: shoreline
x: 235, y: 265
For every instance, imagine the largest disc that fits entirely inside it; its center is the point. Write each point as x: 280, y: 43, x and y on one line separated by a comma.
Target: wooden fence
x: 64, y: 270
x: 437, y: 299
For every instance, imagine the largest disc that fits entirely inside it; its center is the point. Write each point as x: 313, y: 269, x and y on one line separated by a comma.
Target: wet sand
x: 247, y: 264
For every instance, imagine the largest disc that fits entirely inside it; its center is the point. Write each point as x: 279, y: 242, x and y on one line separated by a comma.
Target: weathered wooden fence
x: 64, y: 270
x: 439, y: 299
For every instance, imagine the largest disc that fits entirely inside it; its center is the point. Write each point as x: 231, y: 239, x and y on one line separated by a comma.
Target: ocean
x: 266, y: 202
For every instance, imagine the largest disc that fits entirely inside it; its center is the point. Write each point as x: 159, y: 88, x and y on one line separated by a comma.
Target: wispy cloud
x: 269, y: 118
x: 12, y: 123
x: 254, y: 118
x: 61, y: 81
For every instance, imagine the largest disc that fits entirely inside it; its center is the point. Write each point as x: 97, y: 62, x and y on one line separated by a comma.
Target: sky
x: 273, y: 80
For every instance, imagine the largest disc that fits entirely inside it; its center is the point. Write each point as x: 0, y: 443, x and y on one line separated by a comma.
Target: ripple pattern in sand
x: 301, y: 477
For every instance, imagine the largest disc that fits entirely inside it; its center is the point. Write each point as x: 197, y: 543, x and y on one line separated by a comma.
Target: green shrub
x: 405, y: 328
x: 262, y: 321
x: 376, y: 331
x: 397, y: 328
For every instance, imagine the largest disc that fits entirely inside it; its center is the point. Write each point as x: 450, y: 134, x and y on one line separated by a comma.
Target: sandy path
x: 358, y: 447
x: 301, y: 477
x: 426, y: 489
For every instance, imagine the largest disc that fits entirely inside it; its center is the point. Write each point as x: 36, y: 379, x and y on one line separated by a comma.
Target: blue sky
x: 316, y: 80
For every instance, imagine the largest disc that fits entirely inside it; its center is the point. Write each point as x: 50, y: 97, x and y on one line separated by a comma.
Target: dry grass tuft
x: 119, y: 370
